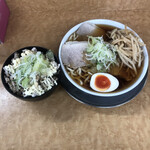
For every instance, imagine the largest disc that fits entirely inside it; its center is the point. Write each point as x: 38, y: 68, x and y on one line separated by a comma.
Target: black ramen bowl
x: 100, y: 101
x: 105, y: 100
x: 28, y: 98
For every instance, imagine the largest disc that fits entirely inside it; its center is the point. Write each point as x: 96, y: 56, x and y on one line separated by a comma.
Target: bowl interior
x: 30, y: 98
x: 113, y: 24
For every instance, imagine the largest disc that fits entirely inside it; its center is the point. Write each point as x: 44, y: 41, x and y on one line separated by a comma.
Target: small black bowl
x: 28, y: 98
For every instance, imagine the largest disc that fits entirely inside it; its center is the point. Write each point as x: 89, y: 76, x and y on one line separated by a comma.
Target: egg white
x: 114, y: 83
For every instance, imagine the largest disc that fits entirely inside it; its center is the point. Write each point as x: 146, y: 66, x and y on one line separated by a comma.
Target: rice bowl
x: 30, y: 74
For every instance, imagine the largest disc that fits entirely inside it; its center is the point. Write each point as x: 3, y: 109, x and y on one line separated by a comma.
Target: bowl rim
x: 27, y: 98
x: 114, y: 24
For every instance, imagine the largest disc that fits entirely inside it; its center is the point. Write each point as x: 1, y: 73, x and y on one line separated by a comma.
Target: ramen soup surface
x: 123, y: 84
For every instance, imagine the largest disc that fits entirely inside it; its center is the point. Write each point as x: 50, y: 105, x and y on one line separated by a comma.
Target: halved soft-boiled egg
x: 103, y: 82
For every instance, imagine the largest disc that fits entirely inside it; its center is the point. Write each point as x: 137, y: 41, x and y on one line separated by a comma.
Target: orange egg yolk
x: 102, y: 82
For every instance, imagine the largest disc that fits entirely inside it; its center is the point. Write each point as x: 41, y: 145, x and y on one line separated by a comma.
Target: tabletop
x: 60, y: 122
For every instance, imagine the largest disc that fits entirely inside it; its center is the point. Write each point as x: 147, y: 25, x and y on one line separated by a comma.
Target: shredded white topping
x: 32, y: 73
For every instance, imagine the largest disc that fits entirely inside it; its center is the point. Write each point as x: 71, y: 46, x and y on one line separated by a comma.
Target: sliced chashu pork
x: 72, y: 53
x: 90, y: 29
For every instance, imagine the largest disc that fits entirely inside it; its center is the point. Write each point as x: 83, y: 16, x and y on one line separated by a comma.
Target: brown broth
x: 123, y: 84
